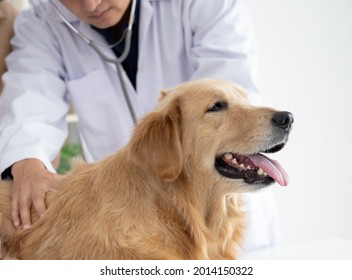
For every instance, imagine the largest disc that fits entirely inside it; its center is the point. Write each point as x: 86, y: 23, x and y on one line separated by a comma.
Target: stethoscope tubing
x: 116, y: 60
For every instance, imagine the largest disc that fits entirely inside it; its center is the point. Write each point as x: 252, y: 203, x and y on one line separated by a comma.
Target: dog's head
x: 208, y: 128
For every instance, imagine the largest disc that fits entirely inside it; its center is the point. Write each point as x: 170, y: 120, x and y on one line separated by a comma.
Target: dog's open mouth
x: 253, y: 169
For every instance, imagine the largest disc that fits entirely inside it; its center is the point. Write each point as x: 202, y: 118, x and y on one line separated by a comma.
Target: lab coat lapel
x: 96, y: 37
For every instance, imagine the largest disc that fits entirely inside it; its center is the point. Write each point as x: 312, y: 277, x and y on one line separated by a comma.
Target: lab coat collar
x: 50, y: 13
x: 66, y: 13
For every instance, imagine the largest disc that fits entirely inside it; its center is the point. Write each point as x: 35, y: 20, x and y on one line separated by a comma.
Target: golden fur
x: 159, y: 197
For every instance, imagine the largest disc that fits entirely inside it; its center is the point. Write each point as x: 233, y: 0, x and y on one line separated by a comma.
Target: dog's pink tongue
x: 272, y: 167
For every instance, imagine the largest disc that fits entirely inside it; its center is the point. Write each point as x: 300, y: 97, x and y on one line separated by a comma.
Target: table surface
x: 323, y: 249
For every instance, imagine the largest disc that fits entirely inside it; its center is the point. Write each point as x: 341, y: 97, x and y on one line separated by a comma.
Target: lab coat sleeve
x: 33, y: 104
x: 224, y: 44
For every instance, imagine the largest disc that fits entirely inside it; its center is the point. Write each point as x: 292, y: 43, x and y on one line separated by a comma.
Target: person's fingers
x: 39, y: 203
x: 31, y: 183
x: 14, y: 210
x: 24, y: 207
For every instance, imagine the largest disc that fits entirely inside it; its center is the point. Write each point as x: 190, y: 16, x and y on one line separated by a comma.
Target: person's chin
x: 104, y: 20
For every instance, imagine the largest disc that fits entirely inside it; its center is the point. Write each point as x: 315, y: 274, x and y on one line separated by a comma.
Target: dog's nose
x: 283, y: 120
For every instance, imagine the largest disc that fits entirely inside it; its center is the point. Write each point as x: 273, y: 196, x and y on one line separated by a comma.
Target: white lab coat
x: 179, y: 40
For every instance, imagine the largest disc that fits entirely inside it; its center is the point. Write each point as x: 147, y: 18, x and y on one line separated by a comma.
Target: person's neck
x: 118, y: 29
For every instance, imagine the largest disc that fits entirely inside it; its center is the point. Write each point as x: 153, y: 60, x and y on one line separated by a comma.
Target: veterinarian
x: 172, y: 42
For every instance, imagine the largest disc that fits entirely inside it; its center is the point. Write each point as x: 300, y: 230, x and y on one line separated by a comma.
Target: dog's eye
x: 218, y: 106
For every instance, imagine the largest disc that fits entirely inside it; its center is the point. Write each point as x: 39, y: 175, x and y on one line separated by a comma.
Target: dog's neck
x: 205, y: 217
x: 212, y: 218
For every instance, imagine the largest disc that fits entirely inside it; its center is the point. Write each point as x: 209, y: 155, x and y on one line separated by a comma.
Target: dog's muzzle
x: 259, y: 169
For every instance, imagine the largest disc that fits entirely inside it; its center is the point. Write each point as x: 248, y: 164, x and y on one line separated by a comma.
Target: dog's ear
x: 155, y: 145
x: 163, y: 93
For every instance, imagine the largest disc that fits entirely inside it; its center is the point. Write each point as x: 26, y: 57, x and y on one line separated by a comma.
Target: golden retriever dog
x: 173, y: 192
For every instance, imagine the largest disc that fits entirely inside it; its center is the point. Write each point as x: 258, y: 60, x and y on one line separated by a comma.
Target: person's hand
x: 31, y: 181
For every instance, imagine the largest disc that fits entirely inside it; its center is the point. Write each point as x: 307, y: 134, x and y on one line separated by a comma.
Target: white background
x: 305, y: 67
x: 91, y: 270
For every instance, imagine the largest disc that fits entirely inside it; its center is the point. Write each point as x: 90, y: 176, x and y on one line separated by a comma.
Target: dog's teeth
x: 234, y: 161
x: 260, y: 171
x: 248, y: 167
x: 242, y: 166
x: 228, y: 156
x: 265, y: 174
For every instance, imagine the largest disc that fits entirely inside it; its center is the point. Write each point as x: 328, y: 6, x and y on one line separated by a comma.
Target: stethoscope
x: 116, y: 60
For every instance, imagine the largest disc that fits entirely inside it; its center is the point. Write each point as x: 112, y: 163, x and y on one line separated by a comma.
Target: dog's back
x: 93, y: 217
